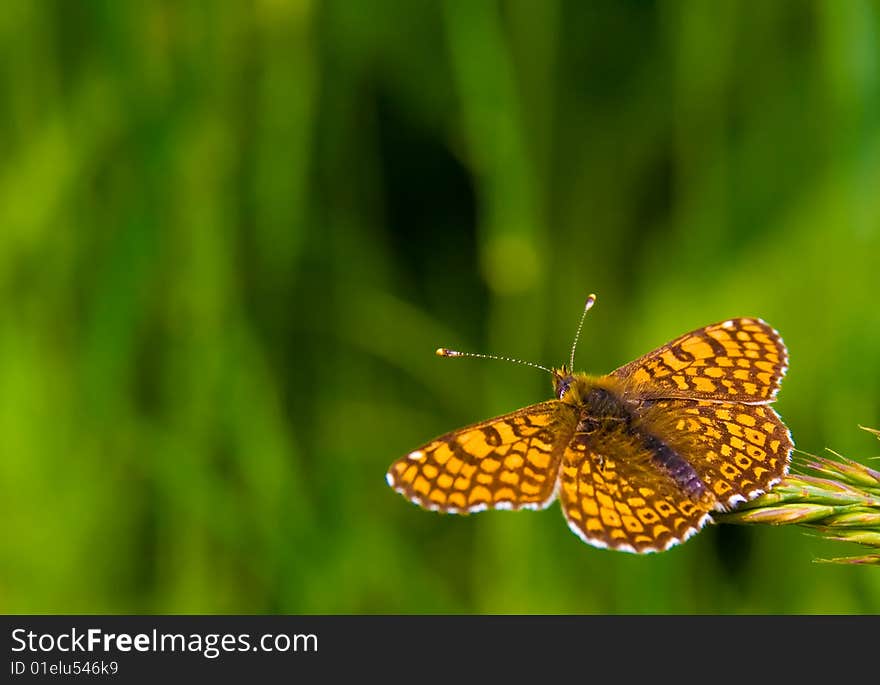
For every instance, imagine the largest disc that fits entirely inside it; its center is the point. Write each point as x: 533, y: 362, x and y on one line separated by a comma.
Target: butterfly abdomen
x: 677, y: 468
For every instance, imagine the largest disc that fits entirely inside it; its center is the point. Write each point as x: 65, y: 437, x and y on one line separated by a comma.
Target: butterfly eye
x: 562, y: 385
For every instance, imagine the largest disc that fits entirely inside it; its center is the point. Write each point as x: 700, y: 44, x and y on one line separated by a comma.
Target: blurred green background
x: 233, y: 234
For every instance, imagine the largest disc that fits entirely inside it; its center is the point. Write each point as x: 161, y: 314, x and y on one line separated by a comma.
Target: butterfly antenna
x: 443, y: 352
x: 591, y: 300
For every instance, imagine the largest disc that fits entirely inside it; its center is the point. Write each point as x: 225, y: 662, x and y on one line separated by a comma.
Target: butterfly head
x: 562, y: 380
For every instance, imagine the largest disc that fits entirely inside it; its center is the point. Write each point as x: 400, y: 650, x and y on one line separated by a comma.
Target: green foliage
x: 232, y: 235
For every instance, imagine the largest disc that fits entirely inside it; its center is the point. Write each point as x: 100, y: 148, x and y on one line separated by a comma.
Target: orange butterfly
x: 639, y: 457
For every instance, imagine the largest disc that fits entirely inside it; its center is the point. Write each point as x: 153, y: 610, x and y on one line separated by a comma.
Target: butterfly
x: 638, y: 458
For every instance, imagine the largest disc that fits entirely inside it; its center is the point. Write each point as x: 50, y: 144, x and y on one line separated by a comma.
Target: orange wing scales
x: 738, y: 360
x: 639, y: 458
x: 620, y: 503
x: 738, y: 450
x: 510, y: 462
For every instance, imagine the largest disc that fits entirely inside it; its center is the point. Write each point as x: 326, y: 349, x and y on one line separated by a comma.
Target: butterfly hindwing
x: 612, y: 497
x: 738, y: 450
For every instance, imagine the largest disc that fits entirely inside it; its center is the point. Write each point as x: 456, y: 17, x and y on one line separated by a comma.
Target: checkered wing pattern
x: 737, y: 450
x: 509, y: 462
x: 613, y: 497
x: 737, y: 360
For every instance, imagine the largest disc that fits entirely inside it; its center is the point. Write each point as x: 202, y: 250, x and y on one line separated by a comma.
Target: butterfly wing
x: 738, y: 450
x: 738, y: 360
x: 613, y: 497
x: 509, y: 462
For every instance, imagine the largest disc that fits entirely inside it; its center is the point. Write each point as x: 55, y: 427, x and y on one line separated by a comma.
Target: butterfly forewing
x: 509, y: 462
x: 737, y: 360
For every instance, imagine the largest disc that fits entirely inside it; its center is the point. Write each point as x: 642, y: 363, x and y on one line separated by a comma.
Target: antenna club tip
x: 591, y: 300
x: 443, y: 352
